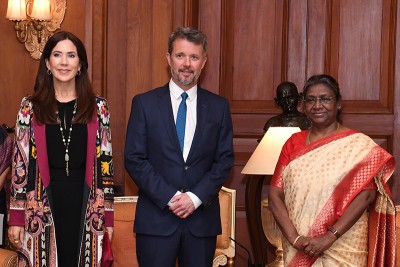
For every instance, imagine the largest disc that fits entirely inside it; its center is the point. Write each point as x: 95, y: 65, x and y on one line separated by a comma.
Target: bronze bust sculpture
x: 288, y: 97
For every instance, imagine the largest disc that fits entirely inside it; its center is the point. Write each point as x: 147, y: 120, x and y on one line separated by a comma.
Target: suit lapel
x: 165, y: 108
x: 202, y: 112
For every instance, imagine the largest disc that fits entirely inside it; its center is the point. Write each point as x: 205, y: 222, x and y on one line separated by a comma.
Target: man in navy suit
x: 179, y: 172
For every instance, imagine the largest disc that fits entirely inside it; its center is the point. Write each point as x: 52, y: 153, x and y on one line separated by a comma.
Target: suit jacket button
x: 186, y: 168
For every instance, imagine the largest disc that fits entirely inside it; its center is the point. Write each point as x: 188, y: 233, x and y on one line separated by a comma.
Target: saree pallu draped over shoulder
x: 320, y: 181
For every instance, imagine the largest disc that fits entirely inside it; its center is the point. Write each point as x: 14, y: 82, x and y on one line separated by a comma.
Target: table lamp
x: 265, y: 156
x: 262, y: 162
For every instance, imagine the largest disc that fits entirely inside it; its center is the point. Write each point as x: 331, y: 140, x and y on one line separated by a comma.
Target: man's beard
x: 188, y: 81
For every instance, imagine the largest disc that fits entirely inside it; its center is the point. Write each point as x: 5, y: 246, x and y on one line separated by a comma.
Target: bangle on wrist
x: 295, y: 240
x: 334, y: 232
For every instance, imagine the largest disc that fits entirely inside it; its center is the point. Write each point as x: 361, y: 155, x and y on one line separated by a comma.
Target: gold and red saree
x: 320, y: 180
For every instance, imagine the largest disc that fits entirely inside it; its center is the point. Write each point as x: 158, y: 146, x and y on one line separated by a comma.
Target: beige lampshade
x: 265, y: 156
x: 41, y: 10
x: 16, y: 10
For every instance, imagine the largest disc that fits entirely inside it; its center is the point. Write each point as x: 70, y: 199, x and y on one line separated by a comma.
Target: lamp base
x: 278, y: 262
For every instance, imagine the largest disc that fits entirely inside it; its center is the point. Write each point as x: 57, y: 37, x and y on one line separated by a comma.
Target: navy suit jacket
x: 154, y: 161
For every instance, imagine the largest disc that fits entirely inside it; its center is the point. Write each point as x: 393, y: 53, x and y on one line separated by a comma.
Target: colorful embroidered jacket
x: 29, y: 200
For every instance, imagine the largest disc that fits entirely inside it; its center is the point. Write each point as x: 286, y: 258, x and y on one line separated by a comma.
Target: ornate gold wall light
x: 36, y: 21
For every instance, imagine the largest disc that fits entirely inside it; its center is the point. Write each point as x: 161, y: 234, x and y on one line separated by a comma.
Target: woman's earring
x: 78, y: 73
x: 48, y: 72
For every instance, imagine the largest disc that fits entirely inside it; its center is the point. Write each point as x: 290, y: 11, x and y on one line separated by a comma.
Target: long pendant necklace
x: 68, y: 141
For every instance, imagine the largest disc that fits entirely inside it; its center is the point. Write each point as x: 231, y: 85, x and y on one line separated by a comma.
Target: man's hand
x: 182, y: 205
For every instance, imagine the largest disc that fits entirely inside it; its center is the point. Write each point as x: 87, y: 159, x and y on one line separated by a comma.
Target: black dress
x: 66, y: 192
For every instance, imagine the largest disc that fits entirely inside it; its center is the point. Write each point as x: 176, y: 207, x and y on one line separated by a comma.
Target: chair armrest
x: 8, y: 258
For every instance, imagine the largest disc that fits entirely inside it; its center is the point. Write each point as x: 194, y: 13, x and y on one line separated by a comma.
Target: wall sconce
x: 36, y: 21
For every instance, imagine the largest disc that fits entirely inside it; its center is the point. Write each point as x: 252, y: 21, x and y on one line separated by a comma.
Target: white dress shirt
x: 190, y: 126
x: 191, y: 114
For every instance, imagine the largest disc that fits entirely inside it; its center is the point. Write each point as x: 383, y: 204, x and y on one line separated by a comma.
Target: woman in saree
x: 329, y: 193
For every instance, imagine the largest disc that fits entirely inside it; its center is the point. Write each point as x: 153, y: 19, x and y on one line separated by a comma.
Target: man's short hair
x: 190, y: 34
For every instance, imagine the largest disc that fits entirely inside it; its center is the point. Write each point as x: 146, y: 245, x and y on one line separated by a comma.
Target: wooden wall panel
x: 211, y: 22
x: 366, y: 59
x: 116, y: 83
x: 296, y: 53
x: 252, y: 54
x: 161, y: 29
x: 361, y: 55
x: 96, y: 37
x: 251, y: 34
x: 317, y: 20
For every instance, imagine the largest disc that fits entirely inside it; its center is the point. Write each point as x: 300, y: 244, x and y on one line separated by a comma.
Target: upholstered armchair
x: 8, y: 258
x: 124, y: 244
x: 225, y: 251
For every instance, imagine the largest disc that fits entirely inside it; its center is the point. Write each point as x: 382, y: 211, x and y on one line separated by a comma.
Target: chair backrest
x: 123, y: 242
x: 8, y: 258
x: 227, y: 201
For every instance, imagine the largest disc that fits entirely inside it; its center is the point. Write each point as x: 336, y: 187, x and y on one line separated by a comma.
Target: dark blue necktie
x: 181, y: 120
